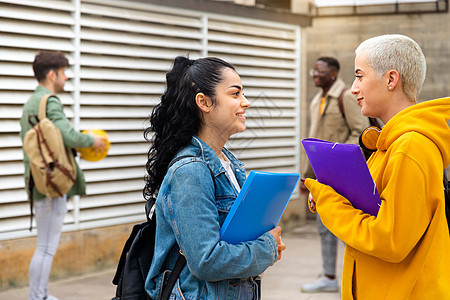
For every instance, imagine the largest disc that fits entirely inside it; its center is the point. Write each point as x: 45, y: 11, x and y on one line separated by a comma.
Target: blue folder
x: 343, y: 167
x: 259, y: 206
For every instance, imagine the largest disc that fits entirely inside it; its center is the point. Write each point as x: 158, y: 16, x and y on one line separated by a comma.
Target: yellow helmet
x: 89, y: 152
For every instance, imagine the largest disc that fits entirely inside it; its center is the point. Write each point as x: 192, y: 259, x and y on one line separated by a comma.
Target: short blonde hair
x: 400, y: 53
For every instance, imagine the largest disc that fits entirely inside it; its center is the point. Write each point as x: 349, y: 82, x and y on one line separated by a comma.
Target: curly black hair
x: 177, y: 118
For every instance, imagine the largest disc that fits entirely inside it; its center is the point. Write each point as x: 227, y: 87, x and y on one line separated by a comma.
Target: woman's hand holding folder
x: 276, y: 232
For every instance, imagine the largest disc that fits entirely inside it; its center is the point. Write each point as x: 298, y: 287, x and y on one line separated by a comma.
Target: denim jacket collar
x: 199, y: 148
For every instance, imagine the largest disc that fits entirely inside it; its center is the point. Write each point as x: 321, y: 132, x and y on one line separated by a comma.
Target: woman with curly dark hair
x: 201, y: 108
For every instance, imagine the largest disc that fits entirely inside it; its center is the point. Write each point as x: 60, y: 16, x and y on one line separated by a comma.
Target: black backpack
x: 137, y: 255
x: 136, y: 258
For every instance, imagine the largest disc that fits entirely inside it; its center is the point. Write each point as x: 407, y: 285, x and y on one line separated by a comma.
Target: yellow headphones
x: 369, y: 137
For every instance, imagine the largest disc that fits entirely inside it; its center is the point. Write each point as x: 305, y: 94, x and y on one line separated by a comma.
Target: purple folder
x: 343, y: 167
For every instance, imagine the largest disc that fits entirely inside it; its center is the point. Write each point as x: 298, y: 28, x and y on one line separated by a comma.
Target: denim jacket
x: 190, y: 209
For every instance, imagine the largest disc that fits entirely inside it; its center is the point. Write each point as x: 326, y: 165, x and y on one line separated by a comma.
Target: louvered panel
x: 109, y: 200
x: 125, y: 137
x: 265, y: 163
x: 115, y: 162
x: 251, y: 133
x: 251, y: 51
x: 9, y: 125
x: 113, y: 112
x: 10, y: 140
x: 268, y: 82
x: 133, y: 51
x: 246, y: 40
x: 111, y: 187
x: 104, y: 36
x: 12, y: 190
x: 12, y: 228
x: 254, y: 153
x: 276, y: 32
x: 266, y: 73
x: 120, y: 87
x: 12, y: 181
x: 123, y: 100
x: 140, y: 27
x: 269, y: 112
x: 141, y: 63
x: 123, y: 75
x: 255, y: 62
x: 14, y: 83
x: 253, y: 123
x: 262, y: 101
x: 36, y: 42
x: 12, y: 112
x: 114, y: 174
x: 58, y: 12
x: 11, y: 168
x: 9, y: 154
x: 141, y: 12
x: 29, y: 28
x: 126, y: 149
x: 14, y: 210
x: 262, y: 142
x: 16, y: 69
x: 124, y: 50
x: 17, y: 55
x: 112, y: 212
x: 111, y: 124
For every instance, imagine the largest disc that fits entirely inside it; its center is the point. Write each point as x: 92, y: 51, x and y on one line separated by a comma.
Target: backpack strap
x: 181, y: 261
x: 43, y: 106
x: 41, y: 115
x: 179, y: 265
x: 31, y: 198
x: 341, y: 103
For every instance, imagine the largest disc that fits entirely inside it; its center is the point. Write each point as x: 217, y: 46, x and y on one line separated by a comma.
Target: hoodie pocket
x: 349, y: 279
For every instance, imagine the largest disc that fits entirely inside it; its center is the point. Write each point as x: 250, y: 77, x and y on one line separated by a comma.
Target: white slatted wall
x: 119, y: 52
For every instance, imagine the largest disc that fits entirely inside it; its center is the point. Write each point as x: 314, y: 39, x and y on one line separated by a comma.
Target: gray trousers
x: 329, y: 248
x: 49, y: 216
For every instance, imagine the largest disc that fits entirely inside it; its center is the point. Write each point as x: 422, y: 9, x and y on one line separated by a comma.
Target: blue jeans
x: 49, y: 216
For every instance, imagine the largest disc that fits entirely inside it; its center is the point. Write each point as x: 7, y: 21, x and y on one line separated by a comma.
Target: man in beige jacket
x: 337, y: 124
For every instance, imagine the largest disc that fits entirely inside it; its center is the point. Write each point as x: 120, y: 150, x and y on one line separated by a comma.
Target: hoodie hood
x: 429, y: 118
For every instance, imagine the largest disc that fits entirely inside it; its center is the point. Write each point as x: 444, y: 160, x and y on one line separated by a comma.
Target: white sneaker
x: 49, y: 297
x: 323, y: 284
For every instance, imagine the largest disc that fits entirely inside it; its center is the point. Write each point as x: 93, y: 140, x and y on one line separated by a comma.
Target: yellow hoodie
x: 404, y: 252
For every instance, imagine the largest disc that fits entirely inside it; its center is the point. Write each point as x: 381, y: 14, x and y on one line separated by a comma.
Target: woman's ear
x: 203, y: 102
x: 393, y: 79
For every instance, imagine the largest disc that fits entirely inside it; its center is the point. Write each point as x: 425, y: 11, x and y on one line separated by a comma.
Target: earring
x: 390, y: 88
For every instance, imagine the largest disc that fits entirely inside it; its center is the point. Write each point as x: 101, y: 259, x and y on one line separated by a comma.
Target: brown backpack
x: 52, y: 166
